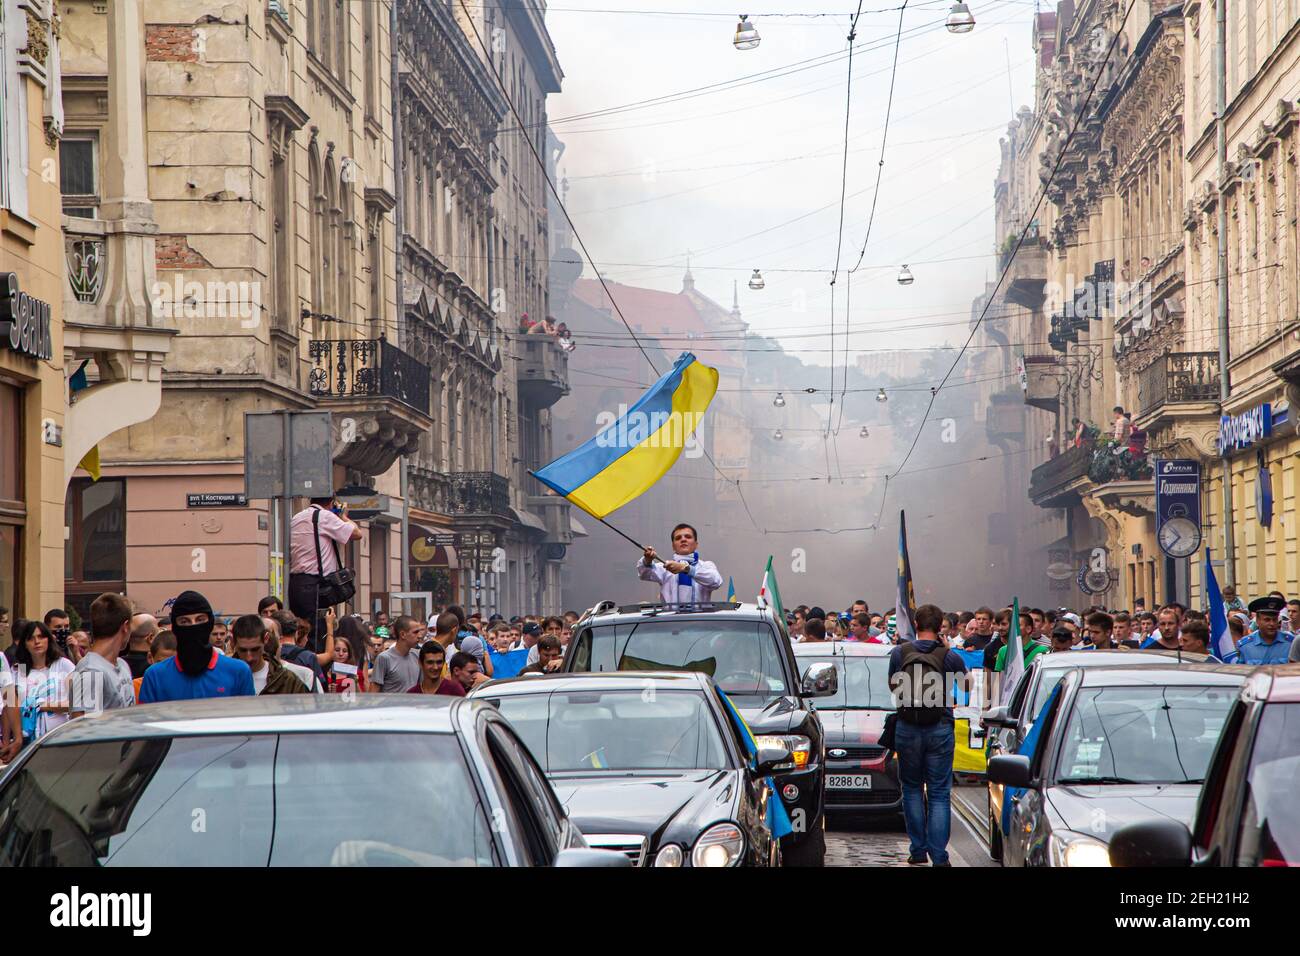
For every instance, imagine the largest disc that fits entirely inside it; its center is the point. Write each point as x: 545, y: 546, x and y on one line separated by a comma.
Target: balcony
x: 1057, y: 483
x: 543, y: 371
x: 1005, y: 417
x: 379, y: 396
x: 478, y: 494
x: 1027, y: 276
x: 1042, y: 382
x: 113, y: 317
x: 1179, y: 378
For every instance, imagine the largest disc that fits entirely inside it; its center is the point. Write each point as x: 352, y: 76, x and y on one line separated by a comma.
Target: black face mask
x: 193, y: 641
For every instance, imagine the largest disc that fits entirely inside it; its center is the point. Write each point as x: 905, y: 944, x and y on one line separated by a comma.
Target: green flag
x: 768, y: 593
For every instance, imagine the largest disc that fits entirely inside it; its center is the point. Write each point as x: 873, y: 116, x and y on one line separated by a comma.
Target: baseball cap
x: 1072, y: 618
x: 532, y: 629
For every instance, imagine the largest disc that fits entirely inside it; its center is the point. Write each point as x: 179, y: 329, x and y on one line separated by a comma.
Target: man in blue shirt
x: 197, y: 670
x: 923, y: 735
x: 1269, y: 644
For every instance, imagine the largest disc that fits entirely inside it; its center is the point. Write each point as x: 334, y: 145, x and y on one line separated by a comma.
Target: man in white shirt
x: 685, y: 579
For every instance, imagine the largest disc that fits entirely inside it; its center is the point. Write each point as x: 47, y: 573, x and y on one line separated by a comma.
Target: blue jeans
x: 925, y: 771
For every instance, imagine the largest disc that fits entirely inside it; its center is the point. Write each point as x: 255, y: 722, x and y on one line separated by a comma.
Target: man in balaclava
x: 197, y: 670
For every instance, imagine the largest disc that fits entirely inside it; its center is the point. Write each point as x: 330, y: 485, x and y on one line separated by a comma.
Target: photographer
x: 317, y: 578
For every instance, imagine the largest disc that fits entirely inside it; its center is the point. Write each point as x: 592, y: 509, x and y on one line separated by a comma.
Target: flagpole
x: 626, y: 537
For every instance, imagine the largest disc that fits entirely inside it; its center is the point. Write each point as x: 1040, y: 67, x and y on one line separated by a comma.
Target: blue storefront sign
x: 1245, y: 428
x: 1178, y: 506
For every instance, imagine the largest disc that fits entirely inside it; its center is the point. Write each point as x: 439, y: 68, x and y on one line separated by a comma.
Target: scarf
x: 193, y: 644
x: 684, y: 578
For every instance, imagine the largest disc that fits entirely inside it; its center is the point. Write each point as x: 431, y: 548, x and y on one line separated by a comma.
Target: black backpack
x: 921, y: 686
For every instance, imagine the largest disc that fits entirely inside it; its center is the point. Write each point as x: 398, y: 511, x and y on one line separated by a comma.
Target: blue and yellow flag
x: 905, y: 603
x: 731, y: 590
x: 778, y: 818
x: 627, y: 457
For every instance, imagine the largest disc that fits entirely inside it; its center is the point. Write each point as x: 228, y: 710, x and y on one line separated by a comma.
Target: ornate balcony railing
x: 1048, y: 482
x: 367, y: 367
x: 482, y: 493
x: 1178, y: 377
x: 87, y: 263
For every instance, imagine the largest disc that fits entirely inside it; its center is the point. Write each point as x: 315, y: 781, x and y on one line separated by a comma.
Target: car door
x: 1026, y: 842
x: 540, y: 813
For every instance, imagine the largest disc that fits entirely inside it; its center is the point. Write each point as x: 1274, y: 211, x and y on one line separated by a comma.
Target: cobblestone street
x: 868, y: 842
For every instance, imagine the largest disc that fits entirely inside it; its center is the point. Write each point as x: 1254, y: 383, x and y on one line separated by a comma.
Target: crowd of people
x: 51, y: 672
x: 1261, y: 633
x: 548, y: 326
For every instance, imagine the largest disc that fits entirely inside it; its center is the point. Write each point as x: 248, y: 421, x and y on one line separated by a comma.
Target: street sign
x: 308, y: 457
x: 217, y: 500
x: 1178, y: 506
x: 443, y: 540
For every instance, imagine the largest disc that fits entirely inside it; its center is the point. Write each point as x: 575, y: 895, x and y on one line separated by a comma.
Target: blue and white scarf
x: 684, y: 578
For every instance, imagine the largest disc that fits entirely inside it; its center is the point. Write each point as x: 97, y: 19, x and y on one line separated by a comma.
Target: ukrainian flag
x: 778, y: 818
x: 626, y: 458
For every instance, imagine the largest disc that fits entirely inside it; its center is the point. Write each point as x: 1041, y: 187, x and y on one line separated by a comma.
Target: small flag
x: 1014, y: 664
x: 90, y: 462
x: 905, y: 603
x: 627, y: 457
x: 731, y: 590
x: 778, y: 818
x: 78, y: 380
x: 597, y: 759
x: 768, y: 593
x: 1221, y: 646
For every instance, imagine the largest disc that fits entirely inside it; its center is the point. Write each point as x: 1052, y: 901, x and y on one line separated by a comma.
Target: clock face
x: 1179, y: 537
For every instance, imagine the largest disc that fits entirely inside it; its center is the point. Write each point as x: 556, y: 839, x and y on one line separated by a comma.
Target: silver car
x: 293, y: 780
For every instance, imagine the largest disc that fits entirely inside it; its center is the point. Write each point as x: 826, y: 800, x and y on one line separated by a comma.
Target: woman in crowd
x: 355, y: 633
x: 343, y: 675
x: 46, y: 691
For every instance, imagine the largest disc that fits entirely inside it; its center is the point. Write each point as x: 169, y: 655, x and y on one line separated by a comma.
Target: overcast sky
x: 727, y: 174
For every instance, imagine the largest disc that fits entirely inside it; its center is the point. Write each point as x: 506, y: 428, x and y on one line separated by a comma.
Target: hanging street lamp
x: 960, y: 19
x: 747, y: 37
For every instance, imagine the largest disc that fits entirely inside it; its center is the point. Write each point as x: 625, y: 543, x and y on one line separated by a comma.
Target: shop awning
x: 427, y: 551
x: 576, y: 527
x: 528, y: 519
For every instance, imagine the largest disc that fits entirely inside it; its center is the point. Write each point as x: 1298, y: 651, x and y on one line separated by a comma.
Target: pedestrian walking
x: 102, y: 680
x: 433, y: 677
x: 44, y: 673
x: 398, y: 669
x: 923, y: 735
x: 270, y: 676
x: 197, y: 671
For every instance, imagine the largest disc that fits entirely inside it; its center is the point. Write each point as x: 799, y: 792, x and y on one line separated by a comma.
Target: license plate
x: 850, y: 781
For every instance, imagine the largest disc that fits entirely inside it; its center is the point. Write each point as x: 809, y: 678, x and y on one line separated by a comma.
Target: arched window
x: 329, y: 242
x: 315, y: 205
x: 343, y: 253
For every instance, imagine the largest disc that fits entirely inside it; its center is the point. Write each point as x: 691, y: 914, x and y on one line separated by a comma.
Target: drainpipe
x: 1225, y: 387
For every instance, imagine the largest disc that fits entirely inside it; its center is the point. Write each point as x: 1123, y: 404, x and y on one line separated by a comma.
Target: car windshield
x: 1144, y: 734
x: 1270, y: 825
x: 740, y: 656
x: 358, y: 799
x: 864, y: 683
x: 642, y: 729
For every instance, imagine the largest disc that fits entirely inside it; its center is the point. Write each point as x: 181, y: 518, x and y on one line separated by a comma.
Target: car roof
x: 1134, y: 658
x: 1276, y: 684
x: 608, y: 613
x: 595, y: 681
x: 277, y: 713
x: 842, y: 649
x: 1179, y: 675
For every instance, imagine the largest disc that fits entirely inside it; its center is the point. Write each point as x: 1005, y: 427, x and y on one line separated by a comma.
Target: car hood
x: 1102, y: 809
x: 648, y: 804
x: 852, y: 726
x: 780, y: 715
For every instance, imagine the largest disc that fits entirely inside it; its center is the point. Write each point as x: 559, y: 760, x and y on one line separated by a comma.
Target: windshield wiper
x: 1100, y: 780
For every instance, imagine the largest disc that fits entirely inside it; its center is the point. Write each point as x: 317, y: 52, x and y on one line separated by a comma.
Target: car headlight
x: 720, y: 845
x: 800, y: 746
x: 671, y: 855
x: 1076, y: 849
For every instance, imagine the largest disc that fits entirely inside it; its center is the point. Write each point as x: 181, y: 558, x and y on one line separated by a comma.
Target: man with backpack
x: 923, y: 735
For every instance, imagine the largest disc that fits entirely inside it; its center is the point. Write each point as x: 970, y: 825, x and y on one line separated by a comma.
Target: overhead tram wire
x: 582, y: 245
x: 1020, y: 241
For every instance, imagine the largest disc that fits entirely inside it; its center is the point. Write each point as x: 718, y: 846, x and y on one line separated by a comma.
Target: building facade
x: 231, y: 165
x: 32, y: 282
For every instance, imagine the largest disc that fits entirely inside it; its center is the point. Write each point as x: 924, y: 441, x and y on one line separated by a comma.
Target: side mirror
x: 820, y: 680
x: 1010, y: 770
x: 1152, y: 843
x: 770, y: 759
x: 997, y: 717
x: 588, y: 857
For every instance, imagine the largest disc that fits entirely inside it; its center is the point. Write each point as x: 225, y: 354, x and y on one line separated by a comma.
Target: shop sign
x: 1245, y: 429
x: 24, y: 321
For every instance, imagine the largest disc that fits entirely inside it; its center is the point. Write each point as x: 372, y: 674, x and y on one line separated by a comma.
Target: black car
x: 294, y: 780
x: 861, y: 775
x: 647, y: 764
x: 1247, y: 814
x: 1116, y: 744
x: 747, y: 652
